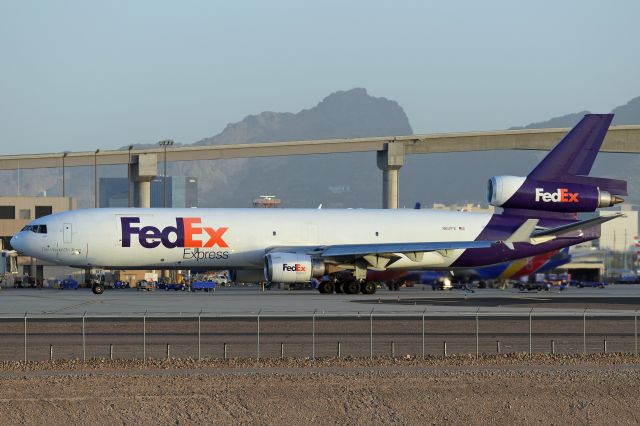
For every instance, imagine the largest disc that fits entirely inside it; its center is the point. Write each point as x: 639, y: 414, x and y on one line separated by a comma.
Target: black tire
x: 339, y: 287
x: 97, y: 289
x: 351, y: 287
x: 368, y: 287
x: 328, y: 287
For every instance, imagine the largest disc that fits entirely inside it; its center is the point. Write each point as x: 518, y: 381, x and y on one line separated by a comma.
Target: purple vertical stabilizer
x: 571, y: 160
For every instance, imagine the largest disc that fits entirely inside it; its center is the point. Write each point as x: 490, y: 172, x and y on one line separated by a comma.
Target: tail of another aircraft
x: 559, y: 186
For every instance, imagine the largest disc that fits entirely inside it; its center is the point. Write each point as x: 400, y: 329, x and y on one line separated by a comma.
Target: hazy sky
x: 81, y: 75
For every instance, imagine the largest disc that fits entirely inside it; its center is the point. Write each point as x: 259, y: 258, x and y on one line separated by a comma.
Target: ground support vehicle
x: 121, y: 284
x: 68, y: 283
x: 534, y: 286
x: 203, y: 285
x: 145, y: 285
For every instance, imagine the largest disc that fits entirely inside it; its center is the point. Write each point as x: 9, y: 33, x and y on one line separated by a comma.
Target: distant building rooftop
x: 267, y: 201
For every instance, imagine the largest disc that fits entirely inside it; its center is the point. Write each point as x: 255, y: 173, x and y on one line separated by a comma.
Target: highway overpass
x: 391, y: 151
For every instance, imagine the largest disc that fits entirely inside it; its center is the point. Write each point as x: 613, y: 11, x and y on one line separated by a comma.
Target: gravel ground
x: 594, y: 389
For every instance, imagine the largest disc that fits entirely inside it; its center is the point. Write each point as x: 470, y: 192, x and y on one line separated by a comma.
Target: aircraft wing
x: 364, y: 249
x: 414, y: 250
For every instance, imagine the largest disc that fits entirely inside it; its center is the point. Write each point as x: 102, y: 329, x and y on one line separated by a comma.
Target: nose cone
x: 17, y: 242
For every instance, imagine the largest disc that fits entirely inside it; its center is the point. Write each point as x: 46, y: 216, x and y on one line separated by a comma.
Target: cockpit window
x: 38, y: 229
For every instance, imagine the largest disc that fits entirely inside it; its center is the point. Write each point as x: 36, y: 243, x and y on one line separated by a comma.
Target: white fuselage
x: 234, y: 238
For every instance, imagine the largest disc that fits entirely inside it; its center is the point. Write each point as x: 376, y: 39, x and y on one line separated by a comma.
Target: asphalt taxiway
x: 251, y: 301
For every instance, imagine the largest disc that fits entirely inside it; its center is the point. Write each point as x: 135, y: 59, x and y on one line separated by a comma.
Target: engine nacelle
x: 292, y: 267
x: 522, y: 193
x: 247, y: 276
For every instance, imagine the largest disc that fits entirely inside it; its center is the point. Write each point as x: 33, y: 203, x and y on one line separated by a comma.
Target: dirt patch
x: 457, y: 390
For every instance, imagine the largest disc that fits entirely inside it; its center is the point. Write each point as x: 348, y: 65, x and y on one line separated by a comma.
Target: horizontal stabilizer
x: 522, y: 234
x: 573, y: 227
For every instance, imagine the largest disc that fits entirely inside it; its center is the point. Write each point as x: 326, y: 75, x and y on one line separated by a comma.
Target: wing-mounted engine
x: 292, y: 267
x: 524, y: 193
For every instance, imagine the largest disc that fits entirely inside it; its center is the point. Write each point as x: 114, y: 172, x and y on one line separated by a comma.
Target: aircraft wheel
x: 97, y: 289
x: 339, y: 287
x: 328, y: 287
x: 368, y: 287
x: 352, y: 287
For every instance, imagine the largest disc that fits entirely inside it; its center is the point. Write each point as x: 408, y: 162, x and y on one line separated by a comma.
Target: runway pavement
x: 251, y: 300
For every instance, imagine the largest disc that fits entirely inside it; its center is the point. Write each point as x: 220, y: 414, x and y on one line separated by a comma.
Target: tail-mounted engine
x: 292, y: 267
x: 522, y: 193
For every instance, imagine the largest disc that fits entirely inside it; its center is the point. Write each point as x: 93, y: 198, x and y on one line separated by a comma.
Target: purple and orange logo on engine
x: 294, y: 268
x: 187, y: 233
x: 562, y: 195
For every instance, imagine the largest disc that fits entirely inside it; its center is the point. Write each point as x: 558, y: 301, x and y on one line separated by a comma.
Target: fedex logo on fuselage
x: 562, y: 195
x: 294, y: 268
x: 187, y: 233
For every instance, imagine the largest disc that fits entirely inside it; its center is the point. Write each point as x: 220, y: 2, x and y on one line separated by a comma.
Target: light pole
x: 129, y: 178
x: 64, y: 155
x: 95, y: 178
x: 165, y: 144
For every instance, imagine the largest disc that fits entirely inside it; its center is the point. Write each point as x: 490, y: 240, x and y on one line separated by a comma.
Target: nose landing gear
x: 97, y: 288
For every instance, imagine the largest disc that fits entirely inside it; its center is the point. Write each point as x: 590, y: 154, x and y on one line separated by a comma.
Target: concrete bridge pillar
x: 390, y: 161
x: 144, y: 169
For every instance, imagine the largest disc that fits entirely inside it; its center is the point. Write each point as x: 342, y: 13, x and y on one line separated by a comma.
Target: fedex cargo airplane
x: 295, y: 245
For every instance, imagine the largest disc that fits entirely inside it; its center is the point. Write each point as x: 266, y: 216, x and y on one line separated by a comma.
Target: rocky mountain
x: 568, y: 120
x: 335, y: 180
x: 624, y: 114
x: 345, y: 114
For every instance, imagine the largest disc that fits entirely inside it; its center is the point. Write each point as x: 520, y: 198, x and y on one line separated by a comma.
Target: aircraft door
x: 66, y: 233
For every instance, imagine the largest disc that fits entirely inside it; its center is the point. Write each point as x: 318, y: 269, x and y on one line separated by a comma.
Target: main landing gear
x: 351, y: 286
